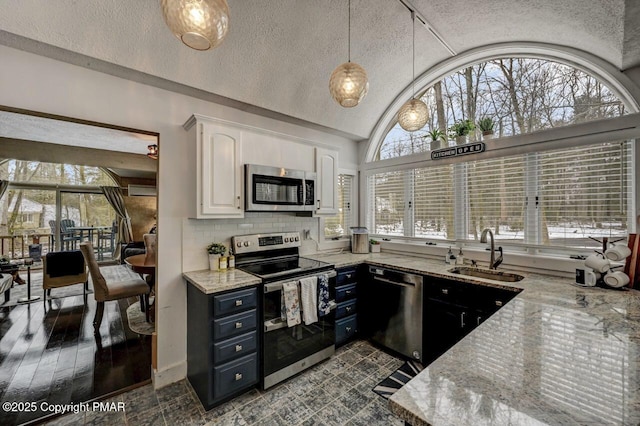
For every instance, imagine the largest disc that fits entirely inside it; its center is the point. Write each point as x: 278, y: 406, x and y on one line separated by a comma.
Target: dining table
x: 145, y: 266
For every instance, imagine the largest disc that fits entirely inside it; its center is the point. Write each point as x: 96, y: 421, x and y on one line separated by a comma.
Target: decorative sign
x: 456, y: 151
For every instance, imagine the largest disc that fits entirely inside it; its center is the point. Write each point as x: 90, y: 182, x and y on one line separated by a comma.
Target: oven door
x: 289, y: 350
x: 273, y: 188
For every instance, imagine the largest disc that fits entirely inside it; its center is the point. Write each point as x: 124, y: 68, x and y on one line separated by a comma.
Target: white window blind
x: 433, y: 202
x: 338, y: 225
x: 584, y: 192
x: 386, y: 196
x: 496, y: 197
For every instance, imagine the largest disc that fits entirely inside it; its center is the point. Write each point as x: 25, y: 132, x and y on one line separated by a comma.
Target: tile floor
x: 335, y: 392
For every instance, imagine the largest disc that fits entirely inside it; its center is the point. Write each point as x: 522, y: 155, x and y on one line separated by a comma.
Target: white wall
x: 37, y: 83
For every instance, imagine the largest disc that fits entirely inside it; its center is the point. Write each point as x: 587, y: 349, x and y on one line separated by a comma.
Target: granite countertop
x: 556, y: 354
x: 210, y: 282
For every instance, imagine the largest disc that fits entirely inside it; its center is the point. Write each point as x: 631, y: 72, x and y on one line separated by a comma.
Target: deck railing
x: 17, y: 246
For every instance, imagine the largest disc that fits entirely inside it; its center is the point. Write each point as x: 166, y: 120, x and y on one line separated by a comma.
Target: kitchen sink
x: 489, y: 274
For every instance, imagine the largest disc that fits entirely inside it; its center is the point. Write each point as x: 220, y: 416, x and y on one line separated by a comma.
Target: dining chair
x: 60, y: 269
x: 105, y: 291
x: 106, y: 240
x: 68, y: 236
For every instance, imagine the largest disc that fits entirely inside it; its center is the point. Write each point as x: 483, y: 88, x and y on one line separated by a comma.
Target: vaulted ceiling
x: 279, y: 54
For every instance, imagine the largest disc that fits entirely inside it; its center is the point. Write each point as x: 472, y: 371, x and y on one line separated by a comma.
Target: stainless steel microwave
x: 278, y: 189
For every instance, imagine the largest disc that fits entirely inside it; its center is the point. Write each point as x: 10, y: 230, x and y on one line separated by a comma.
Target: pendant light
x: 348, y: 84
x: 413, y: 115
x: 200, y: 24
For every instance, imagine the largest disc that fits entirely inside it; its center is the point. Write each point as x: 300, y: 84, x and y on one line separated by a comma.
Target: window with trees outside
x: 40, y: 194
x: 559, y: 197
x: 338, y: 226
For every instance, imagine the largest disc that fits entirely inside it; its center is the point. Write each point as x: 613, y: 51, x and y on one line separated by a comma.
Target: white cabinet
x: 327, y: 181
x: 219, y: 191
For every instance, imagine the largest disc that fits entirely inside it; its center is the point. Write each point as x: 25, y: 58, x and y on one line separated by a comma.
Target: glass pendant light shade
x: 200, y: 24
x: 349, y: 84
x: 413, y: 115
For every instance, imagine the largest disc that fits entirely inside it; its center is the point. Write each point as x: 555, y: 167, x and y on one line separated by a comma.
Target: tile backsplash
x: 197, y: 234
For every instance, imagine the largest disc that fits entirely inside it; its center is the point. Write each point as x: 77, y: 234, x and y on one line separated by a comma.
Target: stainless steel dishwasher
x: 393, y: 306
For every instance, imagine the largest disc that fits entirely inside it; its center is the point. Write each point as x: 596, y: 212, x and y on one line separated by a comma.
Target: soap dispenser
x: 450, y: 258
x: 460, y: 258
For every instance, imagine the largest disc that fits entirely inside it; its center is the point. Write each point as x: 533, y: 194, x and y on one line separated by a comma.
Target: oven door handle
x: 278, y: 323
x: 277, y: 286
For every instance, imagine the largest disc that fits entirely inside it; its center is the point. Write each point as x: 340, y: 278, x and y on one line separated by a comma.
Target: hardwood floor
x: 49, y: 353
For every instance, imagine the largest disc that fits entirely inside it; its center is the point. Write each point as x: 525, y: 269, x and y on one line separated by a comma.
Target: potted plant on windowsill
x: 486, y: 126
x: 460, y: 131
x: 437, y: 136
x: 375, y: 246
x: 215, y: 250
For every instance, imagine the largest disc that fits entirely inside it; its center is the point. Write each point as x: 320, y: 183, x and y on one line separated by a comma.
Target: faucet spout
x: 493, y: 262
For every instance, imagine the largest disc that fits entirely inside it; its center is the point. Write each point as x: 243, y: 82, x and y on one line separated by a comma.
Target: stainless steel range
x: 275, y: 259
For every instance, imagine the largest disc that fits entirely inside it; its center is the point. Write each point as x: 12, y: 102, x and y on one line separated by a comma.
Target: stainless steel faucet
x: 493, y: 263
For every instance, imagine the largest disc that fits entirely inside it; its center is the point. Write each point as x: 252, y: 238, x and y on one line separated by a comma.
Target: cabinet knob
x: 348, y: 292
x: 348, y: 308
x: 239, y: 302
x: 238, y: 325
x: 348, y: 329
x: 445, y: 291
x: 238, y: 376
x: 238, y: 348
x: 498, y: 302
x: 348, y: 275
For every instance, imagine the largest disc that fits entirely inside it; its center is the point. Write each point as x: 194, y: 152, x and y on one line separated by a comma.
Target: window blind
x: 338, y: 225
x: 387, y: 206
x: 496, y: 197
x: 433, y: 202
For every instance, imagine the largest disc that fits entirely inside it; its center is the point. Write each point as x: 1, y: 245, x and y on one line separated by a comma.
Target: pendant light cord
x: 349, y: 36
x: 413, y: 66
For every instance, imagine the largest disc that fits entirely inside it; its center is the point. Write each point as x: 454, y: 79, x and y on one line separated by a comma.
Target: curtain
x: 115, y: 198
x: 4, y: 184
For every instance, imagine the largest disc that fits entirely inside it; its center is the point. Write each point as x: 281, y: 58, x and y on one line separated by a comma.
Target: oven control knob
x: 297, y: 238
x: 246, y: 243
x: 239, y: 244
x: 286, y: 239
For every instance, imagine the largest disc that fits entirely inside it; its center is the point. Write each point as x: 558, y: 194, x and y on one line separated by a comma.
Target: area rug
x: 137, y: 320
x: 398, y: 378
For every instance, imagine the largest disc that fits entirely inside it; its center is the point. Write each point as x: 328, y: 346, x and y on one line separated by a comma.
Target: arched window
x: 518, y: 95
x: 549, y: 194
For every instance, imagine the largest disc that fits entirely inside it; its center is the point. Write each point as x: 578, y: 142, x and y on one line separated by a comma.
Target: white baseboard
x: 173, y: 373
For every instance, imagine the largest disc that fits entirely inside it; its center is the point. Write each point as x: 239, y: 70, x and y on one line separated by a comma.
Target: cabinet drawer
x: 234, y: 375
x: 489, y: 299
x: 234, y: 325
x: 346, y: 308
x: 449, y: 291
x: 232, y: 348
x: 345, y: 292
x: 230, y: 303
x: 346, y: 328
x: 345, y: 276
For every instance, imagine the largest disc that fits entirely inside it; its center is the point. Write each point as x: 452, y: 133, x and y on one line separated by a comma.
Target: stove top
x: 285, y: 267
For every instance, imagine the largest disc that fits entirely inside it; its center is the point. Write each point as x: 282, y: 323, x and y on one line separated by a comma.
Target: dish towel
x: 309, y: 296
x: 291, y: 302
x: 323, y: 295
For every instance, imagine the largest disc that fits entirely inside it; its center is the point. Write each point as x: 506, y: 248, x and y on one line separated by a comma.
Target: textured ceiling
x: 279, y: 54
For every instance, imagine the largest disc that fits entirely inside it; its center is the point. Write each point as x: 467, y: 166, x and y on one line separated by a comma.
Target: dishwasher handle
x: 400, y: 283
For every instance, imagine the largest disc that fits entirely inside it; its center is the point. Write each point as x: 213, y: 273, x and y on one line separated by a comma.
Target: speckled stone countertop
x: 556, y: 354
x: 210, y: 282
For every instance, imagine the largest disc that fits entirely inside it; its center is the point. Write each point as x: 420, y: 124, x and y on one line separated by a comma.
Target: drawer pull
x: 238, y: 325
x: 238, y: 348
x: 238, y: 302
x: 348, y: 275
x: 348, y: 329
x: 498, y: 302
x: 445, y: 291
x: 348, y: 292
x: 238, y: 376
x: 348, y: 308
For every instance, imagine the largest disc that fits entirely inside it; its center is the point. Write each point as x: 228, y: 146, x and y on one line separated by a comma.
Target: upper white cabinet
x: 219, y: 191
x: 327, y: 181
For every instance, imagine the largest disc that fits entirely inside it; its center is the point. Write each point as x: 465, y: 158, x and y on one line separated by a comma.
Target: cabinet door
x: 327, y: 181
x: 444, y: 326
x: 220, y: 171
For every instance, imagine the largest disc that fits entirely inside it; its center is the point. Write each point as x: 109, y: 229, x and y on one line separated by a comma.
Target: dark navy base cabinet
x: 222, y: 343
x: 347, y: 304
